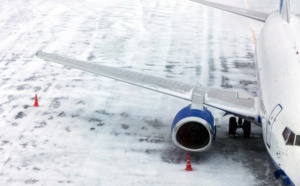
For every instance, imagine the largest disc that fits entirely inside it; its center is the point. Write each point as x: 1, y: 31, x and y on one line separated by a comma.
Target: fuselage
x: 278, y: 72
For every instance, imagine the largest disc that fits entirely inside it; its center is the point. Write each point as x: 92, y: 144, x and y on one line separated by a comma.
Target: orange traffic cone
x: 188, y: 163
x: 36, y: 102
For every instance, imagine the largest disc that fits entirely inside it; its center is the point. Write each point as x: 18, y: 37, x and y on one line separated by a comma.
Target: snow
x: 90, y: 130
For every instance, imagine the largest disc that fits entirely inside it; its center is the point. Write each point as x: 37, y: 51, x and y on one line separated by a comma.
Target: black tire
x: 247, y: 129
x: 232, y: 126
x: 240, y: 122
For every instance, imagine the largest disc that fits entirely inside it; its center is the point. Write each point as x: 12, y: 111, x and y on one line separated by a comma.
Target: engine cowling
x: 193, y: 130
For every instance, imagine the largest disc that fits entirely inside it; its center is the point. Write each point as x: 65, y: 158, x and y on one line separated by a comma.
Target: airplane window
x: 291, y: 139
x: 297, y: 140
x: 286, y: 133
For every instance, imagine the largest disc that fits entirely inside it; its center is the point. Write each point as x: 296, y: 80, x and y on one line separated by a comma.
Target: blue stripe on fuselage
x: 279, y: 172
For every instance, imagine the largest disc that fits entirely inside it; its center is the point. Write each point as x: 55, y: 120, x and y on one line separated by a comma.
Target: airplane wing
x: 236, y: 103
x: 158, y: 84
x: 259, y: 16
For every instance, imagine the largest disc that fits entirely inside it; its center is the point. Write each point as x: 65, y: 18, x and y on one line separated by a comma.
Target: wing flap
x: 232, y: 102
x: 158, y: 84
x: 259, y: 16
x: 236, y: 98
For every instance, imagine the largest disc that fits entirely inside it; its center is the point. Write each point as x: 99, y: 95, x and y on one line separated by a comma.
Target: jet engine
x: 193, y: 130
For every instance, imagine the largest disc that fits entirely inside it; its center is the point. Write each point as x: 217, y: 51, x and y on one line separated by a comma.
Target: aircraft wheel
x: 247, y: 129
x: 232, y: 126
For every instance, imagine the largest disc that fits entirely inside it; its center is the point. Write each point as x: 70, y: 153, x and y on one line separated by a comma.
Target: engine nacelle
x: 193, y: 130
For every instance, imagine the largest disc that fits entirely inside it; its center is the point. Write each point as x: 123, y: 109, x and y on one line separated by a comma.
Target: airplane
x: 275, y: 108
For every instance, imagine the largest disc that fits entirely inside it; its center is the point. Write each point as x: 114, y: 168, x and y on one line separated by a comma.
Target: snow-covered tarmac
x: 90, y: 130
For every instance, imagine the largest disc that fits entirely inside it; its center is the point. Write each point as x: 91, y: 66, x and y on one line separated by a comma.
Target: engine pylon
x: 188, y: 163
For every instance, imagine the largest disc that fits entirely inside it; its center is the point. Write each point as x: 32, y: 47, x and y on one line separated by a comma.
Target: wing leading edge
x: 231, y: 102
x: 158, y: 84
x: 259, y: 16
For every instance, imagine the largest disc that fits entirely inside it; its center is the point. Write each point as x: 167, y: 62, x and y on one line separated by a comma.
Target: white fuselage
x: 278, y: 71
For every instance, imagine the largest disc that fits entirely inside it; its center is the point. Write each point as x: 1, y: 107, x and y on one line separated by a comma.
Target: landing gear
x: 234, y: 125
x: 247, y: 129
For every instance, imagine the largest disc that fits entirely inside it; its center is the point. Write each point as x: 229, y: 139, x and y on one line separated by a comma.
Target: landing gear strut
x: 234, y: 125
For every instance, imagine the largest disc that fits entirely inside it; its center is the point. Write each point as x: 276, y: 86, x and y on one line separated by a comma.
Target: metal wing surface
x: 158, y: 84
x: 231, y: 102
x: 259, y: 16
x: 237, y: 103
